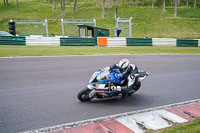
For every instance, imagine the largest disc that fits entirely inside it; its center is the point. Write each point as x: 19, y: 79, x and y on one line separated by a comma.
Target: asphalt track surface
x: 37, y: 92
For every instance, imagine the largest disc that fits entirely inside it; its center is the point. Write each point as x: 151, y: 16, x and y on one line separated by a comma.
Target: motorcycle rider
x: 128, y: 71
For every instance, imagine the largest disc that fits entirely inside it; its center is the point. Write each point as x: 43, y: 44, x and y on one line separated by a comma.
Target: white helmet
x: 124, y: 65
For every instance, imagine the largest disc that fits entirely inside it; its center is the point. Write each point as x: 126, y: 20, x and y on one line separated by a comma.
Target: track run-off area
x: 37, y: 92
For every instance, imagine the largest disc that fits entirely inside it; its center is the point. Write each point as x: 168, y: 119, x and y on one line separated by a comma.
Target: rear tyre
x: 84, y: 95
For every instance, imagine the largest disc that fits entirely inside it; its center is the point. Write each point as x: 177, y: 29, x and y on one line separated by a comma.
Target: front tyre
x: 84, y: 95
x: 135, y: 88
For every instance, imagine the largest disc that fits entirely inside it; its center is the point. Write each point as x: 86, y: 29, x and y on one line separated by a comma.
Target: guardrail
x: 187, y: 42
x: 12, y: 40
x: 40, y: 40
x: 100, y: 41
x: 77, y: 41
x: 139, y: 41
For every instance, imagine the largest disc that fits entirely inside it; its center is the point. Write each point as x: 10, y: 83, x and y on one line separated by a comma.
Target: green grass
x: 193, y: 127
x: 6, y: 51
x: 146, y: 21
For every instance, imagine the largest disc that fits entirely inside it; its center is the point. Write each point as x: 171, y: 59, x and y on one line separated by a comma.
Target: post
x: 95, y: 23
x: 116, y: 28
x: 46, y: 24
x: 130, y: 26
x: 175, y: 8
x: 62, y: 23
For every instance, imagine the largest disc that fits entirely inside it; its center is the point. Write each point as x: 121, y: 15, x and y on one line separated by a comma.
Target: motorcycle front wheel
x: 136, y: 88
x: 84, y: 95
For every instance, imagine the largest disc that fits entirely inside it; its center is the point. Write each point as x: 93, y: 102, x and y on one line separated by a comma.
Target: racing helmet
x: 124, y: 65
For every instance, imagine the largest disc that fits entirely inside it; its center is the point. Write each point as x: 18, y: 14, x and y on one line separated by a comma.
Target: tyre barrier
x: 99, y: 41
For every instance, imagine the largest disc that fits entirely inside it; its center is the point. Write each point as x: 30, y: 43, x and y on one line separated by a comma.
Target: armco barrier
x: 77, y: 42
x: 100, y: 41
x: 199, y: 42
x: 139, y: 41
x: 187, y: 42
x: 12, y: 40
x: 116, y: 41
x: 164, y: 42
x: 40, y: 40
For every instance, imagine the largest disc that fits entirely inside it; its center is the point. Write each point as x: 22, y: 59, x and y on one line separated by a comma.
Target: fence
x: 139, y: 42
x: 36, y: 26
x: 77, y: 42
x: 71, y: 27
x: 186, y: 42
x: 40, y: 40
x: 12, y: 40
x: 124, y: 27
x: 164, y: 41
x: 100, y: 41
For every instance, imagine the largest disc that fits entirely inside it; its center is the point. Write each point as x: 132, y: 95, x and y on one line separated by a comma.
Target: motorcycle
x: 101, y: 83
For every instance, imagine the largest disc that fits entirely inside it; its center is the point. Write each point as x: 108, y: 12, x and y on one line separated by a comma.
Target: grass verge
x: 193, y: 127
x: 147, y: 22
x: 6, y: 51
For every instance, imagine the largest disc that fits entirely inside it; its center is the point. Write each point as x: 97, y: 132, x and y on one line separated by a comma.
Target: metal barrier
x: 33, y: 22
x: 124, y: 20
x: 78, y: 42
x: 40, y: 40
x: 12, y: 40
x: 75, y: 21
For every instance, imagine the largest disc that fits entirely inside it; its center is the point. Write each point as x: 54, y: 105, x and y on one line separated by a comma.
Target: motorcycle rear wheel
x: 84, y: 95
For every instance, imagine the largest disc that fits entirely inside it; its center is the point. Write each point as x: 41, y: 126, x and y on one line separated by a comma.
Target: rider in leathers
x: 129, y: 72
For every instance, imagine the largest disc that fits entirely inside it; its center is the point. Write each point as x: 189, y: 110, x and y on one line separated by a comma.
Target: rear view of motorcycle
x: 102, y: 82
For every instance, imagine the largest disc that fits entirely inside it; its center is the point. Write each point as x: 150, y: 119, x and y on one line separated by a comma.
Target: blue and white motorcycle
x: 101, y: 83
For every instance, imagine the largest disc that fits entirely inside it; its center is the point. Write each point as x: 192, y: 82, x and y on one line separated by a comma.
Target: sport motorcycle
x: 102, y: 82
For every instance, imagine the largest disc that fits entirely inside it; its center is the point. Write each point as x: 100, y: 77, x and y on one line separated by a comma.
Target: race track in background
x: 37, y: 92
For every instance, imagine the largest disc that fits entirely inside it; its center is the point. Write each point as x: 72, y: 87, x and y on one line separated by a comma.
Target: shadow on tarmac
x: 133, y: 100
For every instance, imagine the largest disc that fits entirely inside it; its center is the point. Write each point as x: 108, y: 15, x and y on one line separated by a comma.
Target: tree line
x: 111, y: 3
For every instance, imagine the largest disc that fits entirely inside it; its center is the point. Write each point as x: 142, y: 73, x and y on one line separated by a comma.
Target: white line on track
x: 111, y: 117
x: 11, y: 57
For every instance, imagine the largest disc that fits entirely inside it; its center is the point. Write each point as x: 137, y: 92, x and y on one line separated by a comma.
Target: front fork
x: 92, y: 93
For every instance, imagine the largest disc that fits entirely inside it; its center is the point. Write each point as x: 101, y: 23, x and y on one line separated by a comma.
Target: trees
x: 6, y: 3
x: 164, y: 10
x: 187, y: 2
x: 175, y: 9
x: 103, y: 8
x: 195, y: 3
x: 54, y: 6
x: 62, y: 5
x: 153, y: 1
x: 17, y: 6
x: 75, y: 5
x: 110, y: 4
x: 116, y: 6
